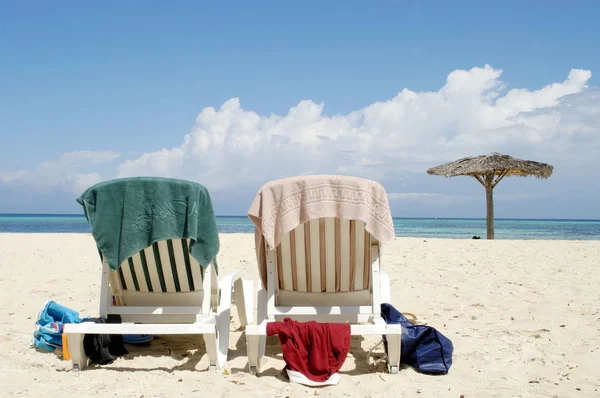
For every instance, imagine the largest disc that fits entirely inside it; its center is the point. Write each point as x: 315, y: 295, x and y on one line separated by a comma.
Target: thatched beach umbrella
x: 489, y: 170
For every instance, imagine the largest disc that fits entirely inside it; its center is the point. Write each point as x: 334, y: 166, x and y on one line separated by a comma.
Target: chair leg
x: 261, y: 305
x: 256, y: 352
x: 243, y: 295
x: 256, y: 344
x: 384, y: 286
x: 393, y: 348
x: 77, y: 352
x: 211, y: 342
x: 222, y: 338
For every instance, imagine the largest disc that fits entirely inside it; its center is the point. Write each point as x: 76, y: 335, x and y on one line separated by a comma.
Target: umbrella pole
x: 489, y: 196
x: 487, y: 181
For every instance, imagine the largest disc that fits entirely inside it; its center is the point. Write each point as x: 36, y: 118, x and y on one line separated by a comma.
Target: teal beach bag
x: 49, y: 325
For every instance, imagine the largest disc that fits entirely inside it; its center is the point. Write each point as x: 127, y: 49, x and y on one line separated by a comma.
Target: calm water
x: 460, y: 228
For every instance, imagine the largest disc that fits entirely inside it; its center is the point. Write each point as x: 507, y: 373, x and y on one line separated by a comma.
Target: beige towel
x: 282, y: 205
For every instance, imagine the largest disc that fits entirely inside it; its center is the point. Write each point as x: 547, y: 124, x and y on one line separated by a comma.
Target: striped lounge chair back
x: 325, y: 261
x: 161, y: 274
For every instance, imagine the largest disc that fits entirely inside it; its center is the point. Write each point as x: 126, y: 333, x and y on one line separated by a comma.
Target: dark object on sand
x: 476, y: 237
x: 423, y: 347
x: 104, y: 348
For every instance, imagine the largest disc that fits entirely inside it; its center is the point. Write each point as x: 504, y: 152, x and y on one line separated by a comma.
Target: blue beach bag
x: 423, y: 347
x: 49, y: 325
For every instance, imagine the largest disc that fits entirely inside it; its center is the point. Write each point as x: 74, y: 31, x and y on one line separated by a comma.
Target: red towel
x: 317, y: 350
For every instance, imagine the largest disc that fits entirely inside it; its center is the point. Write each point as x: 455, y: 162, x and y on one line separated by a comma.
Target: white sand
x: 524, y: 318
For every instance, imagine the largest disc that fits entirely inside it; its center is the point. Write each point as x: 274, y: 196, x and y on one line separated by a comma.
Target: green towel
x: 129, y: 214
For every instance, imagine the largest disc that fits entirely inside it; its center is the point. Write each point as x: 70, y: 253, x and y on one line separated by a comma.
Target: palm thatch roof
x: 497, y: 164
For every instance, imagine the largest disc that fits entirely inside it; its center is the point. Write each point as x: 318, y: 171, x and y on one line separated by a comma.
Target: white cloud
x: 88, y: 157
x: 67, y: 172
x: 8, y: 176
x: 438, y: 199
x: 518, y: 196
x: 410, y: 195
x: 233, y: 150
x: 471, y: 114
x: 83, y: 181
x: 430, y: 198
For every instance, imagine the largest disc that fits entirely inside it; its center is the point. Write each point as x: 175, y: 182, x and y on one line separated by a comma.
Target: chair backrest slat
x: 358, y: 238
x: 139, y: 272
x: 165, y: 266
x: 314, y: 231
x: 180, y: 264
x: 325, y: 256
x: 127, y: 276
x: 293, y: 260
x: 330, y: 254
x: 367, y: 260
x: 286, y: 259
x: 344, y: 275
x: 148, y: 254
x: 196, y: 269
x: 300, y: 259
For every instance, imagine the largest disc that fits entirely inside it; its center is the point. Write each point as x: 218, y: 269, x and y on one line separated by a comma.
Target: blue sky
x: 267, y: 89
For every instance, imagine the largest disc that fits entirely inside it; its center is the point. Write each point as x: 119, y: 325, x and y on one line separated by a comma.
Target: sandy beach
x: 524, y: 317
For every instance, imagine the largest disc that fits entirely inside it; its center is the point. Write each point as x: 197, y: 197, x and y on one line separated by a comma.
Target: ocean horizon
x: 420, y: 227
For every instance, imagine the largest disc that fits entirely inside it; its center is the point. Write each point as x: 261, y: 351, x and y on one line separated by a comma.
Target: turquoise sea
x: 459, y: 228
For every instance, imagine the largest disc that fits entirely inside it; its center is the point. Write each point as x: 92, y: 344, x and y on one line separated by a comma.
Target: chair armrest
x: 243, y: 297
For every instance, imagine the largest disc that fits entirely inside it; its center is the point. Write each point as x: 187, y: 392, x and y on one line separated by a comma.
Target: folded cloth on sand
x: 313, y: 352
x: 423, y: 347
x: 129, y: 214
x: 104, y: 348
x: 282, y: 205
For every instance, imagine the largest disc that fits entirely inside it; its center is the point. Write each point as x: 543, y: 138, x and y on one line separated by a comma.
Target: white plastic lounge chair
x: 325, y: 270
x: 160, y: 291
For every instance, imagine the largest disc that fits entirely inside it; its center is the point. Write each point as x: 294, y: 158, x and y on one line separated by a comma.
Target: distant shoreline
x: 427, y: 227
x: 15, y: 215
x: 9, y: 235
